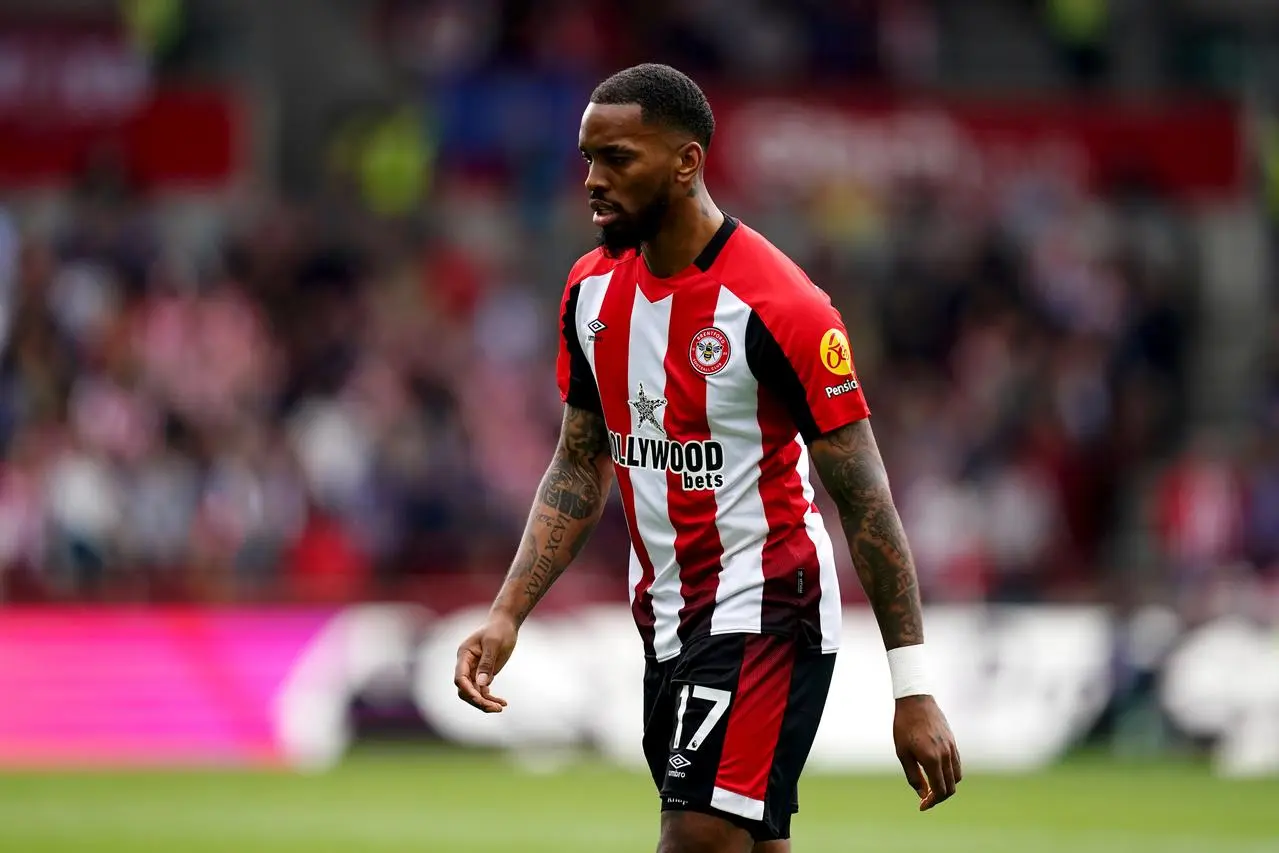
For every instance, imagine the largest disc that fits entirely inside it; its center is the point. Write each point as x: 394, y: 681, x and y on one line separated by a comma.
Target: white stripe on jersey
x: 829, y: 607
x: 590, y: 301
x: 646, y: 364
x: 732, y: 409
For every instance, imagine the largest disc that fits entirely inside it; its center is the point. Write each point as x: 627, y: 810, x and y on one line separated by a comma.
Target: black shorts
x: 728, y: 725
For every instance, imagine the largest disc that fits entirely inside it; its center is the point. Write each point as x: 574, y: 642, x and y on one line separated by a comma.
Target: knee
x: 693, y: 832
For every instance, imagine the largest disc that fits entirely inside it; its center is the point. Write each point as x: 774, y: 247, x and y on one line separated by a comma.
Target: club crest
x: 709, y: 351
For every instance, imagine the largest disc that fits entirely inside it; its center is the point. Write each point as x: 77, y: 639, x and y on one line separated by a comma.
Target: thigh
x: 685, y: 831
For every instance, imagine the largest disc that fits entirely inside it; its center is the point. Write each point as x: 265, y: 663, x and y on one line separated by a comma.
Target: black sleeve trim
x: 773, y: 371
x: 583, y: 393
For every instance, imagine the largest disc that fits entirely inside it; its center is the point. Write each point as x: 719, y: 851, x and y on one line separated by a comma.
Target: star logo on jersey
x: 646, y: 407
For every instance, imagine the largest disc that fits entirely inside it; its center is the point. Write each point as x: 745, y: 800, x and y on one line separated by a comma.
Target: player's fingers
x: 485, y: 671
x: 464, y: 667
x: 935, y: 772
x: 466, y: 689
x: 493, y: 700
x: 948, y: 775
x: 469, y: 694
x: 488, y: 661
x: 914, y: 776
x: 954, y: 760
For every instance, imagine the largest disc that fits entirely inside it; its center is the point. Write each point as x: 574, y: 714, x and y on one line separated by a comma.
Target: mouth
x: 603, y: 213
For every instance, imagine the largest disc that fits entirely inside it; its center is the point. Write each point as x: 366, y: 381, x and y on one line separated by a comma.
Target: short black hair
x: 665, y: 96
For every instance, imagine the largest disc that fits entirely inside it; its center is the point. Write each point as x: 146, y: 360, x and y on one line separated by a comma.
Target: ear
x: 692, y: 156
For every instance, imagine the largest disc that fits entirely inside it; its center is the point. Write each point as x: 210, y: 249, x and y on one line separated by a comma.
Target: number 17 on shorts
x: 729, y: 723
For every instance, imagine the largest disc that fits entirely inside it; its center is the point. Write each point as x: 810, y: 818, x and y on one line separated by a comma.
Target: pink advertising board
x: 85, y: 687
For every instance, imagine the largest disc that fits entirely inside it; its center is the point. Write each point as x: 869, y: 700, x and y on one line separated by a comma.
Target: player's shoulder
x: 593, y: 263
x: 768, y: 280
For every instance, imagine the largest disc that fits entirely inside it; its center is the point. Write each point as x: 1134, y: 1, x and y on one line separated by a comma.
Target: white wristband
x: 908, y: 666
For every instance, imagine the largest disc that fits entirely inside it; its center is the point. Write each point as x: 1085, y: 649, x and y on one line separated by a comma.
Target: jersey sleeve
x: 801, y: 354
x: 572, y: 370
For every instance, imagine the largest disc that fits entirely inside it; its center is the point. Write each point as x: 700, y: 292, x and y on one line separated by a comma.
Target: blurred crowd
x: 767, y: 42
x: 907, y: 43
x: 315, y: 403
x: 349, y: 393
x: 1028, y: 354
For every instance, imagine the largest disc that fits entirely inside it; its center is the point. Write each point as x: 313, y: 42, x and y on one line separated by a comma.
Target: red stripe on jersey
x: 755, y: 720
x: 690, y: 503
x: 790, y: 599
x: 612, y: 357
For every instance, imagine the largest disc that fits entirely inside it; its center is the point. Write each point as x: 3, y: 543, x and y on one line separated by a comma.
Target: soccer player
x: 704, y: 372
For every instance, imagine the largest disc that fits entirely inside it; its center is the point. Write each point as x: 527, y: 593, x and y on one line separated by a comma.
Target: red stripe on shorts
x: 755, y: 722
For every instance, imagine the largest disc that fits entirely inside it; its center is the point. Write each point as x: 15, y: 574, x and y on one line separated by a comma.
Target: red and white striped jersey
x: 711, y: 383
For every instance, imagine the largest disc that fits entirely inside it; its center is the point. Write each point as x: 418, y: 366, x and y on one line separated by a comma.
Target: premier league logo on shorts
x: 709, y: 351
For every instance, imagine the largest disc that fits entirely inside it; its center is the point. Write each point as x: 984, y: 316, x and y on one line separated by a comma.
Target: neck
x: 690, y: 224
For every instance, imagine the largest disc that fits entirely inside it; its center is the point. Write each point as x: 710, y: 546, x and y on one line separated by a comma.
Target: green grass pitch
x: 413, y: 799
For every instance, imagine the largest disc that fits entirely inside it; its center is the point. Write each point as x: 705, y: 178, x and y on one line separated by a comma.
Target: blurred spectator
x: 1200, y: 517
x: 1080, y: 29
x: 1262, y: 523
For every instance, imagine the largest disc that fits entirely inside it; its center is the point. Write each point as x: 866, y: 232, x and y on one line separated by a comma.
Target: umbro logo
x: 595, y: 327
x: 679, y: 762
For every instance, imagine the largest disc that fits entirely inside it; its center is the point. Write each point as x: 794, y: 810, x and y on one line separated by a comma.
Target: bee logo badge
x: 709, y: 351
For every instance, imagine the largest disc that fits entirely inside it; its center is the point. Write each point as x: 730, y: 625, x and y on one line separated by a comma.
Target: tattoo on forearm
x: 572, y: 483
x: 540, y: 569
x: 563, y: 490
x: 568, y: 507
x: 850, y: 467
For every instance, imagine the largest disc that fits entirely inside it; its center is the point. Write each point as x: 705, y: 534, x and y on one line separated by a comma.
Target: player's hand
x: 480, y: 658
x: 926, y: 749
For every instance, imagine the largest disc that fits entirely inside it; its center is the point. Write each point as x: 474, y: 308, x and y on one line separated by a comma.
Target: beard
x: 632, y: 231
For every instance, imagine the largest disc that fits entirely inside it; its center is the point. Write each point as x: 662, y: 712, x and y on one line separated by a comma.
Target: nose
x: 595, y: 183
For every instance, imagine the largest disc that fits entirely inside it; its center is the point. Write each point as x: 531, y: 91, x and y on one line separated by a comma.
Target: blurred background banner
x: 167, y: 139
x: 72, y: 92
x: 1192, y: 151
x: 292, y: 687
x: 157, y: 686
x: 278, y: 295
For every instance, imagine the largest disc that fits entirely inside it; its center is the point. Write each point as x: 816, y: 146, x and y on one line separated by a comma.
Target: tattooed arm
x: 848, y: 462
x: 567, y: 508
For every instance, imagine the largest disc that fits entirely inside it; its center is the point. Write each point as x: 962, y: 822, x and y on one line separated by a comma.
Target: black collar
x: 704, y: 261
